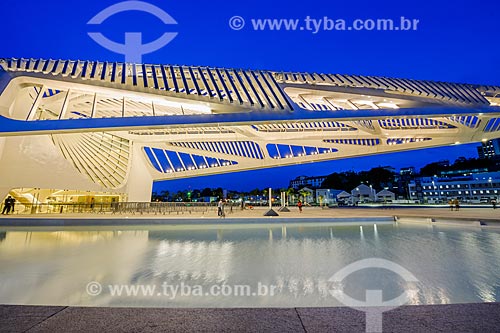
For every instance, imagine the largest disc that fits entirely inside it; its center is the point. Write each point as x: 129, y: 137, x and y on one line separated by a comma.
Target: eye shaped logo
x: 374, y: 305
x: 133, y: 49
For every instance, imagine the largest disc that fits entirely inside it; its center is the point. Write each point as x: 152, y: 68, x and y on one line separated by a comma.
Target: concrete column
x: 140, y: 181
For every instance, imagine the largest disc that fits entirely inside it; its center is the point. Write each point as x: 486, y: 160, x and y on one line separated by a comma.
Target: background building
x: 475, y: 188
x: 302, y: 181
x: 385, y: 196
x: 363, y: 193
x: 489, y: 149
x: 327, y: 196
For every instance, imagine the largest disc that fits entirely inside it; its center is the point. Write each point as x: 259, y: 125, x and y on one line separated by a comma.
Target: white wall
x: 34, y: 161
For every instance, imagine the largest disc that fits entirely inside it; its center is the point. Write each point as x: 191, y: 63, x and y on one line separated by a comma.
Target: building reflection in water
x: 53, y: 267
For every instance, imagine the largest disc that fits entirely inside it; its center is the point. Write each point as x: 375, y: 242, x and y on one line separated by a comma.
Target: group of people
x: 220, y: 209
x: 8, y: 205
x: 454, y: 204
x: 221, y: 203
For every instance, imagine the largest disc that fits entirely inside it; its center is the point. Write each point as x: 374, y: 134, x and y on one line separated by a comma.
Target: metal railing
x: 155, y: 208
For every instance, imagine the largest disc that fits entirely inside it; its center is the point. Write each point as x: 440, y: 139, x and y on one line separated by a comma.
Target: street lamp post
x: 491, y: 187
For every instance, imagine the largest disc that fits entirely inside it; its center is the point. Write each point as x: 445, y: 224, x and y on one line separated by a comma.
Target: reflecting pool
x: 278, y: 265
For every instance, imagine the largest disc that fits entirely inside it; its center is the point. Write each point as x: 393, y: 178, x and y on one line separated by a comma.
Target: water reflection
x: 53, y: 267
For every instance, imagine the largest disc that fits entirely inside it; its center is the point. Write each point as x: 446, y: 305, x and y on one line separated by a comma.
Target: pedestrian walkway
x: 482, y: 317
x: 308, y: 212
x: 310, y: 215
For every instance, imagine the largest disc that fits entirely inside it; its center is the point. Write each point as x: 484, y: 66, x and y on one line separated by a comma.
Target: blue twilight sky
x: 456, y: 41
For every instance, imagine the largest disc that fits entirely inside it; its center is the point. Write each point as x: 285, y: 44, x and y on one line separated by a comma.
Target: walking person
x: 220, y: 209
x: 457, y: 204
x: 299, y: 204
x: 6, y: 205
x: 494, y: 203
x: 451, y: 203
x: 12, y: 205
x: 114, y: 205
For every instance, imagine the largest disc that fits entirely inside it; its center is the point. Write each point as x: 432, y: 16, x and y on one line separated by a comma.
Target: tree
x: 255, y: 192
x: 345, y: 180
x: 460, y: 164
x: 304, y: 194
x: 165, y: 195
x: 433, y: 168
x: 218, y: 192
x: 179, y: 196
x: 196, y: 194
x: 379, y: 177
x: 290, y: 193
x: 162, y: 196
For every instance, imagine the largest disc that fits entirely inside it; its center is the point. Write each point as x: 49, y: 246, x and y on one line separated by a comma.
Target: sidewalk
x: 481, y: 317
x: 256, y: 215
x: 308, y: 212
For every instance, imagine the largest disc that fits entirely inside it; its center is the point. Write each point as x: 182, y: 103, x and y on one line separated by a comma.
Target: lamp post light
x: 491, y: 187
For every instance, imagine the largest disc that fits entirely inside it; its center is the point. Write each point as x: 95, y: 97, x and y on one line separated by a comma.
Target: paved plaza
x: 429, y: 318
x: 487, y: 216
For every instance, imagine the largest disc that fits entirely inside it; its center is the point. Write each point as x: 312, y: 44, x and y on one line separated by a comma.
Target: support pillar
x: 140, y: 182
x: 271, y: 212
